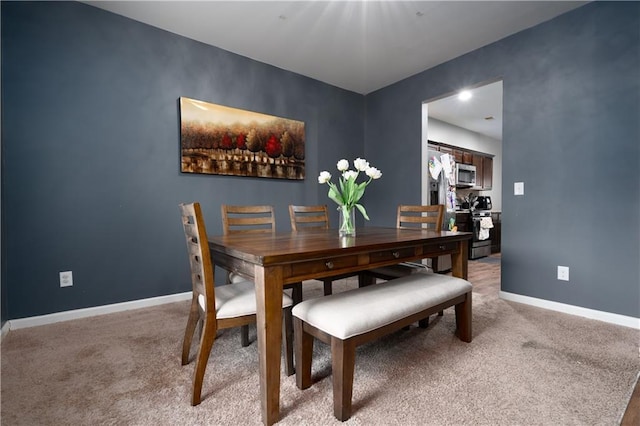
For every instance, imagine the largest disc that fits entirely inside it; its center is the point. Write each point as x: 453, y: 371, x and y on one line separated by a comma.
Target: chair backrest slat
x: 256, y: 219
x: 308, y: 217
x: 410, y: 216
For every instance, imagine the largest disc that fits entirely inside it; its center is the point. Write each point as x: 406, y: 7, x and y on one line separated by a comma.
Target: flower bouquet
x: 347, y: 195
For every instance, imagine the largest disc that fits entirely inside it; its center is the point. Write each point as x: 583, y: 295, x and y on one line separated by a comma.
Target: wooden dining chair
x: 253, y: 219
x: 221, y: 307
x: 305, y: 218
x: 409, y: 217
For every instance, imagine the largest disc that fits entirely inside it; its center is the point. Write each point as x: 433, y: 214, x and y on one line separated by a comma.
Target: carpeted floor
x: 525, y: 366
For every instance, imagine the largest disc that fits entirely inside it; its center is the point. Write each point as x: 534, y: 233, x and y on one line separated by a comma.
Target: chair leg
x: 244, y: 335
x: 328, y: 287
x: 206, y: 342
x: 365, y: 279
x: 194, y: 316
x: 287, y: 330
x: 343, y: 358
x: 296, y: 293
x: 304, y: 354
x: 463, y: 320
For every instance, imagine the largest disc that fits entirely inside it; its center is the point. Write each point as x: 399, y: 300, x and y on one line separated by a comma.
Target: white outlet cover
x: 563, y: 273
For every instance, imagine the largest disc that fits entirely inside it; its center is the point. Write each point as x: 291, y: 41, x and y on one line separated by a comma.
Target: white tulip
x: 324, y: 177
x: 373, y: 173
x: 361, y: 164
x: 349, y: 174
x: 343, y: 165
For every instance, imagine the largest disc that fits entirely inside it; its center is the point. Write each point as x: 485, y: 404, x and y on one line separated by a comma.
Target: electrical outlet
x: 66, y: 279
x: 563, y: 273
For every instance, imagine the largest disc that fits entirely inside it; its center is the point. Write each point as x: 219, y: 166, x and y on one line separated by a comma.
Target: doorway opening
x: 470, y: 132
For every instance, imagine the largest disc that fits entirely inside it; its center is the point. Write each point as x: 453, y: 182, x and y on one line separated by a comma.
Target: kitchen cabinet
x: 467, y: 157
x: 477, y: 161
x: 446, y: 150
x: 495, y: 232
x: 462, y: 221
x: 487, y: 172
x: 484, y: 171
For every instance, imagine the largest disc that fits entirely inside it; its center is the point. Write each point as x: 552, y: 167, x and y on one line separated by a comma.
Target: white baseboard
x: 5, y: 330
x: 573, y: 310
x: 90, y: 312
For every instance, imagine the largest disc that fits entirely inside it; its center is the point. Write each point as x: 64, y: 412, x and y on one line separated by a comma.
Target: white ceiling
x: 356, y: 45
x: 481, y: 114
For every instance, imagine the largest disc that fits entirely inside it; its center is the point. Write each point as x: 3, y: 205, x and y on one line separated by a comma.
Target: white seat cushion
x: 238, y: 299
x: 361, y: 310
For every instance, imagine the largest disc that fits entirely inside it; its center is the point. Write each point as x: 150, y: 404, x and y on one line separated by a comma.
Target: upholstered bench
x: 351, y: 318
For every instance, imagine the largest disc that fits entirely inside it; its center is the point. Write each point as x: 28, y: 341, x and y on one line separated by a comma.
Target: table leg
x: 460, y: 260
x: 268, y: 283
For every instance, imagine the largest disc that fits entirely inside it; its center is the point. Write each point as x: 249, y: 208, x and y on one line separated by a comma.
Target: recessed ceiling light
x: 465, y: 95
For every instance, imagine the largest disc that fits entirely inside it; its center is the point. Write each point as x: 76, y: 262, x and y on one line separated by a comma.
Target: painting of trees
x: 216, y: 139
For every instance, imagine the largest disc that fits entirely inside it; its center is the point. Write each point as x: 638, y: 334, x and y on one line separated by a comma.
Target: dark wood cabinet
x: 487, y: 173
x: 467, y: 157
x: 477, y: 161
x: 484, y: 171
x: 446, y: 150
x: 495, y: 232
x: 462, y: 222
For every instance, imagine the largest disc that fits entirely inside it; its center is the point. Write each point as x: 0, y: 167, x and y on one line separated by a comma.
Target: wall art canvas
x: 220, y: 140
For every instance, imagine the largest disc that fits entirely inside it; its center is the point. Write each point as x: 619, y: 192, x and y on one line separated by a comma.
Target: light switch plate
x: 518, y: 188
x: 66, y: 279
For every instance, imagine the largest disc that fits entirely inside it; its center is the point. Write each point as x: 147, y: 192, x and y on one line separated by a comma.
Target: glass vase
x: 347, y: 221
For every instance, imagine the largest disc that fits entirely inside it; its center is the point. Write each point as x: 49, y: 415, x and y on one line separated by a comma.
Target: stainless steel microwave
x: 465, y: 175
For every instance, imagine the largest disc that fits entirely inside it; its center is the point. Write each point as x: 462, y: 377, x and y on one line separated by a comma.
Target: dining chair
x: 253, y: 219
x: 217, y: 308
x: 409, y: 217
x: 305, y: 218
x: 256, y: 219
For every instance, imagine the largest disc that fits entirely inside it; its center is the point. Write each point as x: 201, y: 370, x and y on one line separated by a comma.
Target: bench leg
x: 343, y: 356
x: 463, y: 319
x: 424, y: 323
x: 304, y: 353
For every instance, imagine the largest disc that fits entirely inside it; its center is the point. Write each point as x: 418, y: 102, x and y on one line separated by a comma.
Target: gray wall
x: 90, y: 135
x: 571, y: 133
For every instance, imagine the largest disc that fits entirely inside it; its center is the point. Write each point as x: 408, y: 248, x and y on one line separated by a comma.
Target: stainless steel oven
x: 480, y: 243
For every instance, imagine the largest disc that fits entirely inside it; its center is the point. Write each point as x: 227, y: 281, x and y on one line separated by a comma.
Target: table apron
x: 326, y: 266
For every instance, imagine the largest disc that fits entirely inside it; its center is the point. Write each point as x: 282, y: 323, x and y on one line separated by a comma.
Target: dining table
x: 275, y: 259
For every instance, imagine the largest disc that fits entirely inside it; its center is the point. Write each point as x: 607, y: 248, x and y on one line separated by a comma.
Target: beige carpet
x: 525, y: 366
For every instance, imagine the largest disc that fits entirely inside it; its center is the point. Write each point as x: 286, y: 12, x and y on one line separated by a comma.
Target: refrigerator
x: 441, y: 183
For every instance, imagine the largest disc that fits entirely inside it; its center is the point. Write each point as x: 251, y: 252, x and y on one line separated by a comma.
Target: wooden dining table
x: 282, y: 258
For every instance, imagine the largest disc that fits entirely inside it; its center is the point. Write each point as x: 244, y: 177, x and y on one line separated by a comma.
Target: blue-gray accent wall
x: 571, y: 134
x: 91, y: 151
x: 90, y: 137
